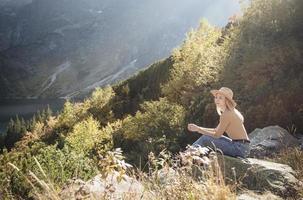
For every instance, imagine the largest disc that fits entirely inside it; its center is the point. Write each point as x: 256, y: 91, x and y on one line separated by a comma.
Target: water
x: 3, y: 127
x: 25, y: 108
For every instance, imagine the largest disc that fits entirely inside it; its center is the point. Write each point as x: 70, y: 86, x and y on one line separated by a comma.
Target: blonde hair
x: 229, y: 106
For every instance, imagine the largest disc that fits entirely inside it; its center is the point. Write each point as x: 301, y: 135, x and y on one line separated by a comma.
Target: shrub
x: 100, y: 106
x: 158, y: 125
x: 85, y: 135
x: 196, y: 64
x: 58, y: 166
x: 67, y: 118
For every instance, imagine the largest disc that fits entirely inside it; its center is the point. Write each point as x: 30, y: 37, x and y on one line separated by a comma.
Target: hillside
x: 258, y: 55
x: 52, y: 49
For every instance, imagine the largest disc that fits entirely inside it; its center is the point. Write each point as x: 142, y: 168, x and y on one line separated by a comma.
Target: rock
x: 195, y: 154
x: 248, y: 195
x: 98, y: 188
x: 270, y: 140
x: 167, y: 175
x: 261, y: 175
x: 69, y: 190
x: 300, y: 139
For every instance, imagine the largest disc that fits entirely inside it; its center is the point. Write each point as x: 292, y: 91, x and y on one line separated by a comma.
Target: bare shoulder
x: 231, y: 114
x: 239, y: 115
x: 226, y: 114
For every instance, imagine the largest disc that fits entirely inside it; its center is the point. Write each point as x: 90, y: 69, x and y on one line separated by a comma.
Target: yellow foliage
x: 85, y: 135
x: 196, y: 63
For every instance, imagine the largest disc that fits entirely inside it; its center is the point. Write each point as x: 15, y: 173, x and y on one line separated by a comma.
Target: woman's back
x: 235, y: 129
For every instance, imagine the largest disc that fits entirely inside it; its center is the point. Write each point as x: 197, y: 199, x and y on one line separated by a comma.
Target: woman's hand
x: 192, y: 127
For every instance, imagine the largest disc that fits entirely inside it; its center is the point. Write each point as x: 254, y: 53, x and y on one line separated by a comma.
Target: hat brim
x: 214, y: 92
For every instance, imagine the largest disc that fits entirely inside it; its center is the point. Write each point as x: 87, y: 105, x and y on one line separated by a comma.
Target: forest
x: 258, y: 55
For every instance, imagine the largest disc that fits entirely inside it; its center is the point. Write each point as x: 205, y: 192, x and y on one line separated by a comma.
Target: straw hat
x: 228, y: 93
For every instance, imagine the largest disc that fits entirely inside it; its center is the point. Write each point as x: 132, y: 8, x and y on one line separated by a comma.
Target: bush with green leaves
x: 61, y: 165
x: 100, y: 104
x: 113, y: 161
x: 196, y: 64
x: 68, y: 117
x: 159, y: 125
x: 58, y: 165
x: 86, y: 135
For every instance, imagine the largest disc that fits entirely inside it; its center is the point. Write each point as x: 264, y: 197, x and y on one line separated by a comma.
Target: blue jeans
x: 225, y: 144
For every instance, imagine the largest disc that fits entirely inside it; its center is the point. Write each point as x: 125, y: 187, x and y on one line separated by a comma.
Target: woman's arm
x: 224, y: 122
x: 202, y: 130
x: 217, y: 132
x: 209, y: 129
x: 206, y: 131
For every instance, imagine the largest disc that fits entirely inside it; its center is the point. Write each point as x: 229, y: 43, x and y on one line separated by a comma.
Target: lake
x: 25, y: 108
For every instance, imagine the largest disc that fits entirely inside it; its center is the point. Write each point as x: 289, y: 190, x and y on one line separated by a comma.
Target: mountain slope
x: 103, y: 41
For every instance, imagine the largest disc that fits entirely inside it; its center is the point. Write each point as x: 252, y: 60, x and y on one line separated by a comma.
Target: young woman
x: 231, y: 122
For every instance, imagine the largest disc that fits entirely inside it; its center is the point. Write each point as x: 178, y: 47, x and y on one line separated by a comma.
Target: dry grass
x: 42, y: 189
x: 185, y: 187
x: 186, y: 183
x: 161, y: 182
x: 294, y: 158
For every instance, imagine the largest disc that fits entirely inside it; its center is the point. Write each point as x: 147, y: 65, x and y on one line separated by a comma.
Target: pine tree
x: 23, y: 126
x: 49, y: 112
x: 32, y: 122
x: 13, y: 133
x: 2, y: 138
x: 18, y: 125
x: 39, y: 116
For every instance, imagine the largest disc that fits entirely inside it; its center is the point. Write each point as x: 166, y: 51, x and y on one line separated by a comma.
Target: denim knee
x: 243, y: 150
x: 204, y: 141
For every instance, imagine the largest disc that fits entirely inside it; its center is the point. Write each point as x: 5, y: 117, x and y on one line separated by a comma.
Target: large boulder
x: 254, y: 174
x: 249, y: 195
x: 300, y: 139
x: 270, y: 140
x: 100, y: 188
x: 261, y: 175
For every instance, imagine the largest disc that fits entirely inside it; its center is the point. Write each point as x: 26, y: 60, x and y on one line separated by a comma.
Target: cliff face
x: 63, y: 47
